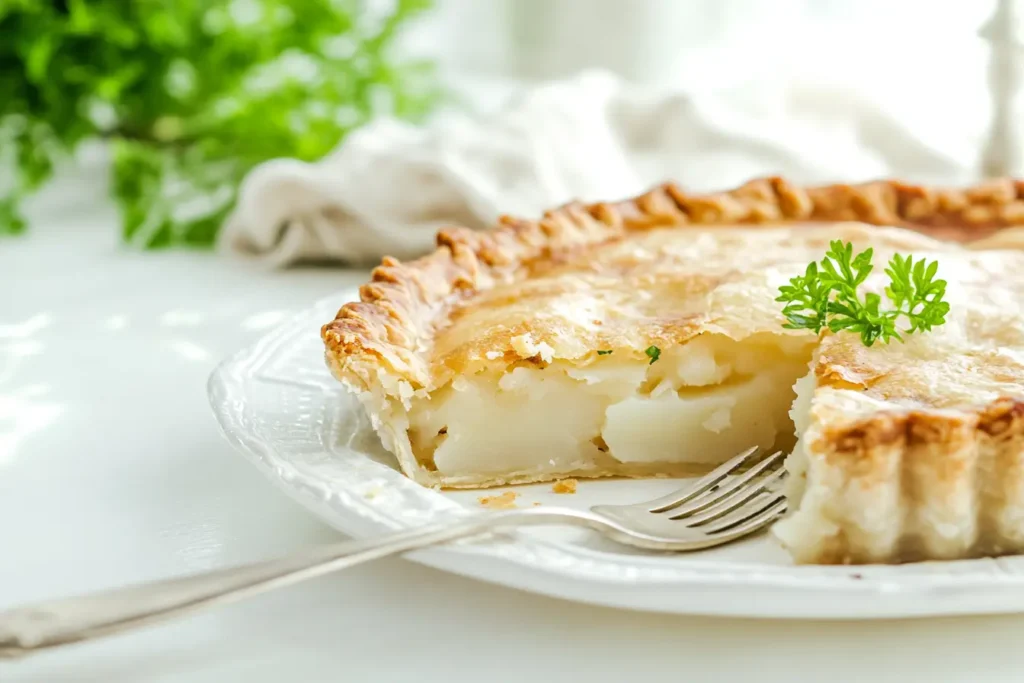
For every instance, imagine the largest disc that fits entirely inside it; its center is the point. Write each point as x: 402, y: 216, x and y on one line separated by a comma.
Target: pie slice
x: 642, y: 339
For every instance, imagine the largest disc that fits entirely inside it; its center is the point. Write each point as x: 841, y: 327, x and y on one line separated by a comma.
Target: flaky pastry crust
x: 402, y: 305
x: 388, y: 334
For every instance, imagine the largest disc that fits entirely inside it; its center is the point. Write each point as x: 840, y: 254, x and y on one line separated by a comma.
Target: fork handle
x: 50, y: 624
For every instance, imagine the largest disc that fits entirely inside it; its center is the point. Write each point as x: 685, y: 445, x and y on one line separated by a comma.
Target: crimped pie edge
x: 393, y: 320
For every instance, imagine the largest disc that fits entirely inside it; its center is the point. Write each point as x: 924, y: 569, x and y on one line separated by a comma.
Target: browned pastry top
x: 475, y: 294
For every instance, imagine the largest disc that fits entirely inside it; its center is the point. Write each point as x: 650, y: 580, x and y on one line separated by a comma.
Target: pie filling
x: 796, y: 462
x: 697, y: 405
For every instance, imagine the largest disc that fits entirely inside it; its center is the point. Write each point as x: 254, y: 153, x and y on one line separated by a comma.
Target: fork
x: 723, y: 506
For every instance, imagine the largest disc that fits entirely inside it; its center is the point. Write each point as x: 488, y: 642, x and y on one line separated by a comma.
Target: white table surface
x: 112, y: 471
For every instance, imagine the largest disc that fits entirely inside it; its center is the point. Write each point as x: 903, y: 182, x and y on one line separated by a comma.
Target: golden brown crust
x: 914, y: 451
x: 399, y: 307
x: 406, y: 308
x: 1000, y: 419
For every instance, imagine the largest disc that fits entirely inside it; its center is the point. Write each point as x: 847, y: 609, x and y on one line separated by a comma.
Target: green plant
x: 826, y: 296
x: 191, y: 94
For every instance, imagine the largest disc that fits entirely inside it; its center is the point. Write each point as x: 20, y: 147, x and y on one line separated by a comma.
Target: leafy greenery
x: 604, y: 352
x: 652, y: 352
x: 191, y: 95
x: 913, y: 290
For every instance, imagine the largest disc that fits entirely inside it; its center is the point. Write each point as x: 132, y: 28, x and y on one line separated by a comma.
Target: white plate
x: 277, y: 403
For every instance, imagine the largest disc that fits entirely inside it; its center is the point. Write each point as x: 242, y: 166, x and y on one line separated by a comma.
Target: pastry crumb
x: 524, y: 345
x: 564, y: 486
x: 370, y: 494
x: 505, y: 501
x: 536, y: 504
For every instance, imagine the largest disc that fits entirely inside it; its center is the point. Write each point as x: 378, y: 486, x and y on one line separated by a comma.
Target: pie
x: 642, y: 338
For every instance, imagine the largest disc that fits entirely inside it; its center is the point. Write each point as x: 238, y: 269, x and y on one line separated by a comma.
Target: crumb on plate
x: 564, y: 486
x: 504, y: 501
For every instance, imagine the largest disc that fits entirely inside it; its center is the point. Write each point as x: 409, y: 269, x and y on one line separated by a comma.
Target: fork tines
x: 727, y: 502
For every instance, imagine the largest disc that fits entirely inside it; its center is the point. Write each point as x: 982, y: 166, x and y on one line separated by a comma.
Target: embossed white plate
x: 277, y: 403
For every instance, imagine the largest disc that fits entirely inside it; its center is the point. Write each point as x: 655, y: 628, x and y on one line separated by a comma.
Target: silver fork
x: 717, y: 509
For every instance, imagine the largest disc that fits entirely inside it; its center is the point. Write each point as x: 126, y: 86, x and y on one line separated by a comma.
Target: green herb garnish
x: 603, y: 353
x: 913, y: 290
x: 654, y: 353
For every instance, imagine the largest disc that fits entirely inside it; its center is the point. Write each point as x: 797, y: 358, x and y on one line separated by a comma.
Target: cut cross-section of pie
x: 643, y: 339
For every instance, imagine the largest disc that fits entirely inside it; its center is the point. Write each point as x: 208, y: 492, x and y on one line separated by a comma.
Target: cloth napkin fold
x: 390, y: 186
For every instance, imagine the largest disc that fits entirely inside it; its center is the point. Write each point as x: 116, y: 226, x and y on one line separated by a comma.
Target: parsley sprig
x: 826, y: 295
x: 652, y: 352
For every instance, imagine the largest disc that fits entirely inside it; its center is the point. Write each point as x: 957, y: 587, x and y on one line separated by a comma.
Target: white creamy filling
x: 796, y: 462
x: 700, y: 403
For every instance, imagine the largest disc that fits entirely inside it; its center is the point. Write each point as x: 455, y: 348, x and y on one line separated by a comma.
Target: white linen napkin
x: 390, y: 186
